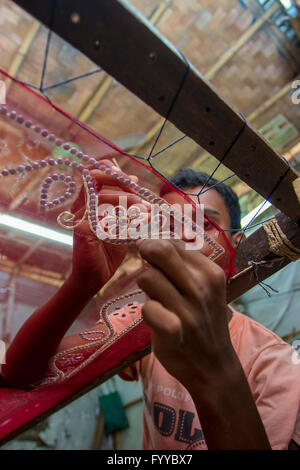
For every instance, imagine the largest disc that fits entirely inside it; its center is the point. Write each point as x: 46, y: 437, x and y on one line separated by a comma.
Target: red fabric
x: 18, y: 408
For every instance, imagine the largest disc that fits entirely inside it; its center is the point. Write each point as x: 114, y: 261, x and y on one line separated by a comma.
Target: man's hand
x: 186, y: 310
x: 95, y: 261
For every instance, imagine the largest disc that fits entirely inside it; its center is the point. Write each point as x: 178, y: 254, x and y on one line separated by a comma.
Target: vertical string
x: 184, y: 78
x: 225, y: 154
x: 49, y: 35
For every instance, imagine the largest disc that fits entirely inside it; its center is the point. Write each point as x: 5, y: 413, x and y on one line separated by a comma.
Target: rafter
x: 251, y: 31
x: 27, y: 190
x: 241, y: 188
x: 32, y: 273
x: 22, y: 52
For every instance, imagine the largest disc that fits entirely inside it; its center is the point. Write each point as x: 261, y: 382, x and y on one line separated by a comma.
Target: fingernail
x: 116, y: 168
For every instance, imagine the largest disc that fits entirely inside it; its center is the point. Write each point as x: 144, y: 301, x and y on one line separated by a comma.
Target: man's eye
x: 207, y: 225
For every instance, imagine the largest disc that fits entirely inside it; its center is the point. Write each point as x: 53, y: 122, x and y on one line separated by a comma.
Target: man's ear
x: 237, y: 238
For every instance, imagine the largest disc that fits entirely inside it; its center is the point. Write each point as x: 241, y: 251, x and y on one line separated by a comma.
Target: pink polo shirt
x: 272, y: 368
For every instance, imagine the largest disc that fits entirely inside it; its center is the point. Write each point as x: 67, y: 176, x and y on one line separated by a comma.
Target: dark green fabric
x: 113, y: 412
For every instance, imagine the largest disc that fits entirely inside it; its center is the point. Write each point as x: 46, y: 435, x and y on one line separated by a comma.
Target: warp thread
x: 278, y: 241
x: 262, y: 284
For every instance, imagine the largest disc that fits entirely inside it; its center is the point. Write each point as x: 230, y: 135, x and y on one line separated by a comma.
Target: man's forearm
x: 38, y: 339
x: 227, y: 412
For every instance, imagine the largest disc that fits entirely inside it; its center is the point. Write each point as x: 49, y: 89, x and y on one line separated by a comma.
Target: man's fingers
x: 134, y: 178
x: 80, y: 201
x: 157, y: 287
x: 101, y: 179
x: 164, y: 323
x: 190, y: 272
x: 201, y: 267
x: 163, y: 255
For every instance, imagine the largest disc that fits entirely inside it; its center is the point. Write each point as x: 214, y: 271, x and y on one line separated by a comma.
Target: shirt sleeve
x: 131, y: 373
x: 275, y: 383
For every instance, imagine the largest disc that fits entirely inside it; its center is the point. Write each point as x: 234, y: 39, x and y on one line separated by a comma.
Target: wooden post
x: 256, y: 248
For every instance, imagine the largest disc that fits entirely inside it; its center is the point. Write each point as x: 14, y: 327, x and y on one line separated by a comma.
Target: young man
x: 209, y: 364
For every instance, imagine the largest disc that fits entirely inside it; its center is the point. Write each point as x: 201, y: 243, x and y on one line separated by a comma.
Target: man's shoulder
x: 254, y: 342
x: 242, y: 324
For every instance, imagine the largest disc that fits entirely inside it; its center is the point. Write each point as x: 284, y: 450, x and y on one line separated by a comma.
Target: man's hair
x: 190, y: 179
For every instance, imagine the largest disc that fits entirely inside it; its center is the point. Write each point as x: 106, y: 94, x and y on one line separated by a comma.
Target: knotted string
x: 173, y: 102
x: 235, y: 140
x: 255, y: 265
x: 278, y: 241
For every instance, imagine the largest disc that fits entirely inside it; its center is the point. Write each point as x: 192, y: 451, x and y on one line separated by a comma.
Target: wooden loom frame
x: 114, y: 22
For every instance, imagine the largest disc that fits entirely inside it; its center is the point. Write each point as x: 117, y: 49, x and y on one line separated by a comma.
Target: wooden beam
x: 256, y: 248
x: 32, y: 273
x: 241, y: 188
x: 107, y: 83
x: 293, y: 151
x: 99, y: 432
x: 254, y: 115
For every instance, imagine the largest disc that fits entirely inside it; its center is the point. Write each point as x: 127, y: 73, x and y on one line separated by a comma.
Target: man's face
x: 214, y: 208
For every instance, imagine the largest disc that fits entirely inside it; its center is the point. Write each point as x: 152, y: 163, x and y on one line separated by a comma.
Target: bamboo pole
x: 22, y: 52
x: 227, y: 56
